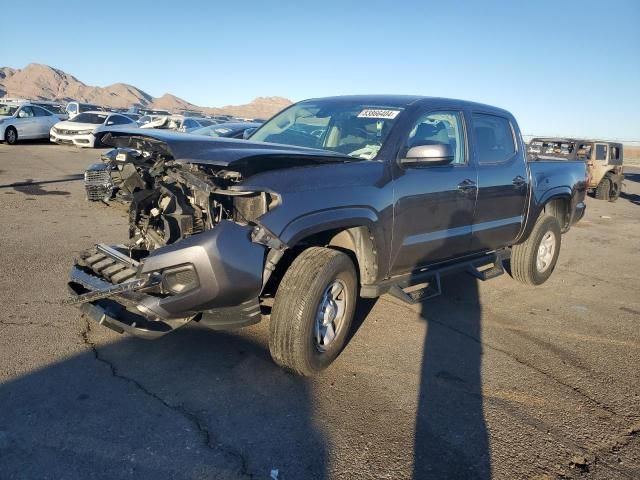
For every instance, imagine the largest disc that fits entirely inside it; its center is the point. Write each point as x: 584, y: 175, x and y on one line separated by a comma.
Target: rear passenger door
x: 503, y: 181
x: 44, y: 121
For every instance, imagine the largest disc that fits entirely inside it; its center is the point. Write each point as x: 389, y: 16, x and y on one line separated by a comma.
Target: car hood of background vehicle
x: 241, y: 155
x: 75, y: 126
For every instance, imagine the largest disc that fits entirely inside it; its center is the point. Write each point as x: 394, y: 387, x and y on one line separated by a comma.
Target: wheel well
x: 559, y: 208
x: 356, y: 242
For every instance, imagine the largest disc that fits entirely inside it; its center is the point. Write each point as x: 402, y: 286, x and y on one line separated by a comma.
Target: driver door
x: 434, y: 204
x: 25, y: 122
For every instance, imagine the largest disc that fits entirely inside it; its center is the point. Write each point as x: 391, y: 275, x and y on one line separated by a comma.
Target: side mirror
x: 247, y: 133
x: 435, y: 154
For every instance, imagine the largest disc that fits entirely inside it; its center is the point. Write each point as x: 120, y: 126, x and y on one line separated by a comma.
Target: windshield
x: 8, y: 110
x: 353, y: 128
x: 95, y: 118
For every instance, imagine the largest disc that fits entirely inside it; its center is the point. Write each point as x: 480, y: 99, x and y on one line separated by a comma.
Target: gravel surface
x: 490, y: 380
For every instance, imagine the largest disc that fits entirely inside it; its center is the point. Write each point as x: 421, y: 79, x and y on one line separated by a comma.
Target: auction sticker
x: 378, y: 113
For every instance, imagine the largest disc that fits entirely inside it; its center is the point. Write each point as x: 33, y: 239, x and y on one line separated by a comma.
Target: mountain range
x: 42, y: 82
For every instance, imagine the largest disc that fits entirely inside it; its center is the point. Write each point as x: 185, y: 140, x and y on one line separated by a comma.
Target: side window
x: 493, y: 138
x: 40, y: 112
x: 120, y: 120
x: 615, y: 153
x: 440, y: 128
x: 601, y: 152
x: 26, y: 112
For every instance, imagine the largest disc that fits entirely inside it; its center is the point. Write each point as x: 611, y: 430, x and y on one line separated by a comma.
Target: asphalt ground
x: 490, y: 380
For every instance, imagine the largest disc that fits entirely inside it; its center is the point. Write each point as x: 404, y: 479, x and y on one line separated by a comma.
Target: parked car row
x: 81, y: 124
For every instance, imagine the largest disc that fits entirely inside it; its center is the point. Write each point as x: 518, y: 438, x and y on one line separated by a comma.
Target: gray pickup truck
x: 331, y: 199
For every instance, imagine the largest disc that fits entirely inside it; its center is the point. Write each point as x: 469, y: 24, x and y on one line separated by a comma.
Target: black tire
x: 99, y: 143
x: 615, y: 191
x: 524, y: 256
x: 292, y: 332
x: 11, y: 136
x: 603, y: 190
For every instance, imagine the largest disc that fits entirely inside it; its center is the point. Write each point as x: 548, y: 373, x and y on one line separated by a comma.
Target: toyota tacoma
x: 330, y: 200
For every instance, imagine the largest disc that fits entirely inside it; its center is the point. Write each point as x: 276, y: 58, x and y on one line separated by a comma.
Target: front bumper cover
x: 229, y: 267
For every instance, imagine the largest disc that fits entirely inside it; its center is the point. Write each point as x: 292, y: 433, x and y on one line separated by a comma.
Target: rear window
x: 88, y: 108
x: 8, y: 110
x: 95, y: 118
x: 493, y: 138
x: 615, y: 153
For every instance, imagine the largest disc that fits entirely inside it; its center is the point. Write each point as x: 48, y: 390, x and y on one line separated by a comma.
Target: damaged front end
x: 196, y: 252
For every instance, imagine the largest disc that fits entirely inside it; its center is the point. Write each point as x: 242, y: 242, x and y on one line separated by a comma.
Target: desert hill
x: 43, y: 82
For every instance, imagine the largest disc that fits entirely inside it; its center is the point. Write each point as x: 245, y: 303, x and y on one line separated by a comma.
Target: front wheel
x: 313, y: 311
x: 533, y: 261
x: 11, y: 136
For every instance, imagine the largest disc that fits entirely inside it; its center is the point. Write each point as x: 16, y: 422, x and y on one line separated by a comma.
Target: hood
x: 240, y: 155
x: 3, y: 117
x: 74, y: 126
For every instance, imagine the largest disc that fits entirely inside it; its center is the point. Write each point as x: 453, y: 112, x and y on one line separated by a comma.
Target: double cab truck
x: 604, y: 161
x: 331, y: 200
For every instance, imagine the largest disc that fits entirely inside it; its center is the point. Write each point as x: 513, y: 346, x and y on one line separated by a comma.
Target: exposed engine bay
x: 182, y: 200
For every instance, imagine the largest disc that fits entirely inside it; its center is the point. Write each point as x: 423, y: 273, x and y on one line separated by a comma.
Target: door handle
x: 519, y: 181
x: 466, y: 185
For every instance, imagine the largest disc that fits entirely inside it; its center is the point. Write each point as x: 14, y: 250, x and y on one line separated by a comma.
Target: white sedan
x: 23, y: 121
x: 87, y: 129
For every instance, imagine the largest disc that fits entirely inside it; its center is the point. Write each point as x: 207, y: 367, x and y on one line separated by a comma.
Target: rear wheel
x: 313, y: 311
x: 615, y: 191
x: 533, y: 261
x: 603, y: 190
x: 11, y: 136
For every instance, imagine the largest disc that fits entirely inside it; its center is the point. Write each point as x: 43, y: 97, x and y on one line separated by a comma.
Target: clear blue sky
x: 562, y: 67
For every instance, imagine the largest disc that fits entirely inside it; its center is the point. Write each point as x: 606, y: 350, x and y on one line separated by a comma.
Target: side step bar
x: 425, y: 284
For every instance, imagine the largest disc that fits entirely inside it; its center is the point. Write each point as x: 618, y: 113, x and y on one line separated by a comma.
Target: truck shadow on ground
x: 451, y: 439
x: 199, y: 401
x: 194, y: 403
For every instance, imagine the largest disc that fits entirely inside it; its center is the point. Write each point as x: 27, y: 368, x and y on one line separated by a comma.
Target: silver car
x: 25, y: 121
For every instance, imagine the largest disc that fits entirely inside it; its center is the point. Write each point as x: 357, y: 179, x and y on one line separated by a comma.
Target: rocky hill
x: 43, y: 82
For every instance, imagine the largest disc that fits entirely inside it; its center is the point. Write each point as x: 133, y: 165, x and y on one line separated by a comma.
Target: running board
x: 493, y: 271
x: 423, y: 284
x: 417, y: 293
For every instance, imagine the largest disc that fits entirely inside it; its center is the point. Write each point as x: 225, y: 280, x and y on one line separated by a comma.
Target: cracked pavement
x: 490, y: 380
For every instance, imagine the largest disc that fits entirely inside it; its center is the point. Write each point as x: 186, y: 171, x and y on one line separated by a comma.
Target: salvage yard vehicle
x: 394, y: 192
x: 25, y: 121
x: 122, y: 172
x: 178, y: 123
x: 75, y: 108
x: 604, y: 161
x: 87, y: 129
x: 227, y: 130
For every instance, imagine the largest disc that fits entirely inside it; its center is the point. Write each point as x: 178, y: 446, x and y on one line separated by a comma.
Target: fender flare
x: 537, y: 207
x: 344, y: 219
